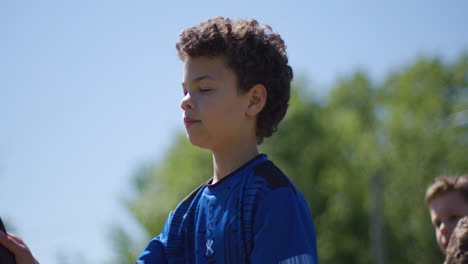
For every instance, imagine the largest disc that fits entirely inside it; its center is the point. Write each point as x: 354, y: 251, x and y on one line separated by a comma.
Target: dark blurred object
x: 6, y: 257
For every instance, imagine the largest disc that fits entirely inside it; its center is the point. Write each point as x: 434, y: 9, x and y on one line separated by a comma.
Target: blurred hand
x: 18, y: 248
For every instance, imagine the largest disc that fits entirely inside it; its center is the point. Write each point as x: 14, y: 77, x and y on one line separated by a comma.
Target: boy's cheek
x: 440, y: 237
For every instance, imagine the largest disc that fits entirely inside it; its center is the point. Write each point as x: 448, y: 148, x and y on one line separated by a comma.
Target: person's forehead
x: 199, y: 66
x: 448, y: 202
x: 205, y: 62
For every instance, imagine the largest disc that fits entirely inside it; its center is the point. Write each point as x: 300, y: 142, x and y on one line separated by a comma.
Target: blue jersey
x: 253, y: 215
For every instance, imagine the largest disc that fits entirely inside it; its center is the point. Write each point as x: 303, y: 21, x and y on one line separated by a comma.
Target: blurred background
x: 92, y: 150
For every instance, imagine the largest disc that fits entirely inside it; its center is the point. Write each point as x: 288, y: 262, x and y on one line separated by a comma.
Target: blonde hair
x: 446, y: 184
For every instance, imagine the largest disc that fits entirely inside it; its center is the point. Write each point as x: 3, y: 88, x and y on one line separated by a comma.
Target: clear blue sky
x: 90, y: 90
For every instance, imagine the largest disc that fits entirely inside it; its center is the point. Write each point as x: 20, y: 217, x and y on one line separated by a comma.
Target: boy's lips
x: 189, y: 121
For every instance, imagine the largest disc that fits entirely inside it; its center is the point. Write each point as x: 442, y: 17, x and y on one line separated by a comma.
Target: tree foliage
x: 363, y: 159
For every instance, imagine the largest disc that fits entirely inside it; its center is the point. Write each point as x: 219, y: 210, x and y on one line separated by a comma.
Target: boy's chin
x: 197, y: 142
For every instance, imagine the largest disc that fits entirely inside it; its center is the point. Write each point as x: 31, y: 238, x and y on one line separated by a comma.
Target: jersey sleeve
x: 154, y: 253
x: 283, y: 229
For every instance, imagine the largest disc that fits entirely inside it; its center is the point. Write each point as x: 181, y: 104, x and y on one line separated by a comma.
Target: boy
x: 236, y: 90
x: 447, y: 199
x: 457, y: 249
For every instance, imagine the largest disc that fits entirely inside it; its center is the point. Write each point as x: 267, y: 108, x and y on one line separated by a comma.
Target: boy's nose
x: 444, y: 228
x: 186, y: 102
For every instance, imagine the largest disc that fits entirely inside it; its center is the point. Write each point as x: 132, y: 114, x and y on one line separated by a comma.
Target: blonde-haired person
x: 447, y: 199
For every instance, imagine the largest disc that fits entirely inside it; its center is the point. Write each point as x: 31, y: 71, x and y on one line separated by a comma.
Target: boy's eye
x: 437, y: 223
x: 204, y: 90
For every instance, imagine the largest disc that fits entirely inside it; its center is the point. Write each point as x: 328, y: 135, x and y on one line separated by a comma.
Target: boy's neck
x: 229, y: 160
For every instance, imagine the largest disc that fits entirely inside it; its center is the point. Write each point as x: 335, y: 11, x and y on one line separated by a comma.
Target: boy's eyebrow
x: 204, y: 76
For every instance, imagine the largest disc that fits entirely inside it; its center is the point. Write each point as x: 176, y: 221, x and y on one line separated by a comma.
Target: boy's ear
x: 257, y: 96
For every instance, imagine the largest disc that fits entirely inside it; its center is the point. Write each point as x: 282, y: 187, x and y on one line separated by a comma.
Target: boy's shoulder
x: 271, y: 177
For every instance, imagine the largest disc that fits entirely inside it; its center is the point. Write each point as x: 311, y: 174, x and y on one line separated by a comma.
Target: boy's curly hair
x: 255, y: 53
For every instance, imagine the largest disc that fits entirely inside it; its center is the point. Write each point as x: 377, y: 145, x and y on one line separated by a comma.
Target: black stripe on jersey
x: 273, y: 175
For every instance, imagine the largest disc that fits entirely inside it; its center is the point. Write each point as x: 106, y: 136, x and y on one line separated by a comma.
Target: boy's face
x: 446, y: 209
x: 214, y: 109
